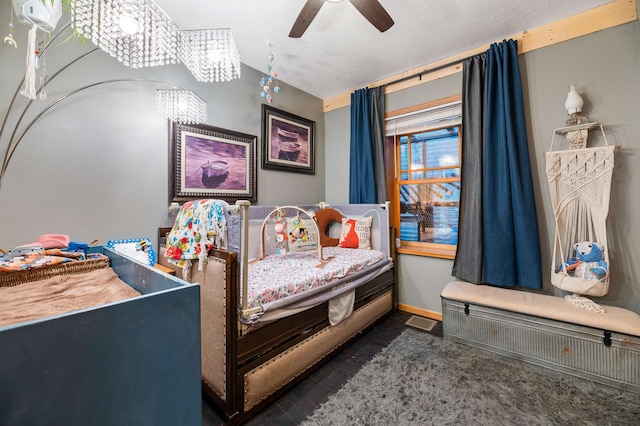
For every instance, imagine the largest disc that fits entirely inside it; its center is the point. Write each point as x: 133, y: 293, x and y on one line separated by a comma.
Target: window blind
x: 424, y: 120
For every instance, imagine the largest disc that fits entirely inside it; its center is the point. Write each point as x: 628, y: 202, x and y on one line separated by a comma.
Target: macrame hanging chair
x: 580, y: 186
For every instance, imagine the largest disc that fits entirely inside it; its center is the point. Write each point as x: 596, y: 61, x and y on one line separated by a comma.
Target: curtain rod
x: 421, y: 73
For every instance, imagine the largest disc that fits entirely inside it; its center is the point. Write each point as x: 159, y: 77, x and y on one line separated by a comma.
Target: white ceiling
x: 341, y: 51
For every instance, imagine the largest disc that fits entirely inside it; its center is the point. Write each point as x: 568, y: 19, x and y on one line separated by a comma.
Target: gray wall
x: 606, y: 68
x: 96, y: 165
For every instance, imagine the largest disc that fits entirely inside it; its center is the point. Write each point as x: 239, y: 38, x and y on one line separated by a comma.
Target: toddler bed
x: 269, y: 318
x: 117, y: 344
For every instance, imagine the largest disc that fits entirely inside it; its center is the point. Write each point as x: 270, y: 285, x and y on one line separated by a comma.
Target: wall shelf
x: 585, y: 126
x: 571, y: 131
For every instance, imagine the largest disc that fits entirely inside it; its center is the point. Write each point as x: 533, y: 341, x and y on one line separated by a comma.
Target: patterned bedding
x: 39, y: 259
x: 280, y: 276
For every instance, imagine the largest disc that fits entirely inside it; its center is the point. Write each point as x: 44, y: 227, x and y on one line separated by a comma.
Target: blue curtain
x: 362, y: 180
x: 511, y: 245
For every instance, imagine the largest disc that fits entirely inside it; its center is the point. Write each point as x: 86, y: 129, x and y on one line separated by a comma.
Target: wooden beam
x: 612, y: 14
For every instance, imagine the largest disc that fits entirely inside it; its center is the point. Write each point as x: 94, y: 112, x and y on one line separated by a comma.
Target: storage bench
x: 546, y: 331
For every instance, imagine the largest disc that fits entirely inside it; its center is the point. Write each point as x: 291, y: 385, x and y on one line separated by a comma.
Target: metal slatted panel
x: 567, y: 348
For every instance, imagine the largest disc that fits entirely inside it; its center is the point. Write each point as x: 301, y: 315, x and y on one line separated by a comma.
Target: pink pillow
x: 49, y: 241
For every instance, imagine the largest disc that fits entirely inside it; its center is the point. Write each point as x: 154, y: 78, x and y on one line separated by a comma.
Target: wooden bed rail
x: 247, y: 312
x: 243, y: 207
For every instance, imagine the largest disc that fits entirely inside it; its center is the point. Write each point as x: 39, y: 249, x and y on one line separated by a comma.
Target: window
x: 425, y: 144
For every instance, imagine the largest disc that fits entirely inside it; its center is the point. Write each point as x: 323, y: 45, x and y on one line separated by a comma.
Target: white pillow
x: 356, y: 232
x: 302, y: 234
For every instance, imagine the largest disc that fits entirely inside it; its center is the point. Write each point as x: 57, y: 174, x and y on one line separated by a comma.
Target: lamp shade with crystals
x: 210, y: 55
x: 139, y: 34
x: 181, y: 106
x: 136, y: 32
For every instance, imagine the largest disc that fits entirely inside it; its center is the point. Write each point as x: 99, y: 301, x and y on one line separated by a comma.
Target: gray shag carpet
x: 420, y: 379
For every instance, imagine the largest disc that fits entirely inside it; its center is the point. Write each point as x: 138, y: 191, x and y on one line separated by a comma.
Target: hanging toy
x: 8, y: 39
x: 281, y: 233
x: 299, y: 233
x: 271, y: 77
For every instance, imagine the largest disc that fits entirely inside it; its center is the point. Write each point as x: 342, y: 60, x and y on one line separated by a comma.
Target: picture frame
x: 288, y: 141
x: 211, y: 162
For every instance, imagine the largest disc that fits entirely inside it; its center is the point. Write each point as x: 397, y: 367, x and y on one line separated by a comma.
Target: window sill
x: 441, y: 251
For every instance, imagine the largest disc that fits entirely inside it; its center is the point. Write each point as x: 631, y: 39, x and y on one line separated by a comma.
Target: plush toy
x: 299, y: 233
x: 588, y: 263
x: 325, y: 217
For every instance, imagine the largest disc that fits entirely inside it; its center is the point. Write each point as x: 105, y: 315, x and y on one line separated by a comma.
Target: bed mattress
x: 297, y: 278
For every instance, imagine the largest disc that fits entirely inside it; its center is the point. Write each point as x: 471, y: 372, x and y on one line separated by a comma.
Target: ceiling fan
x: 372, y: 10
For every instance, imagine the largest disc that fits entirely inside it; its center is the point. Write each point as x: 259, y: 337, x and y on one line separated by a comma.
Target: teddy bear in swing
x: 589, y: 261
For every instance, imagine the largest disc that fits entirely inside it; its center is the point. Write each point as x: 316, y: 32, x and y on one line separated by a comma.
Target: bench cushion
x: 542, y: 305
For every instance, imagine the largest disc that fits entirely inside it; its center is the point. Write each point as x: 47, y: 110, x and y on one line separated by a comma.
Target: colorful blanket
x: 39, y: 259
x: 199, y: 226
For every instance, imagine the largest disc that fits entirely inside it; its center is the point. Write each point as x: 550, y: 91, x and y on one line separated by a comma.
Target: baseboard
x: 419, y: 311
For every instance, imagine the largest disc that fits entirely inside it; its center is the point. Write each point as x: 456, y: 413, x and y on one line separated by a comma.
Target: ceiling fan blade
x: 308, y: 12
x: 375, y: 13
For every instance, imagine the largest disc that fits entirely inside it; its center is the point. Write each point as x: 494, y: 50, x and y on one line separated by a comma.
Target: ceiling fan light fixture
x: 372, y: 10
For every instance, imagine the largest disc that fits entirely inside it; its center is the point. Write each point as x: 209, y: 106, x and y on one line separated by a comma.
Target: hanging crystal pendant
x: 270, y: 78
x: 210, y: 55
x: 181, y: 106
x: 136, y: 32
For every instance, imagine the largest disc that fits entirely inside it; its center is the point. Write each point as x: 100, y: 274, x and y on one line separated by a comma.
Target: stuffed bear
x: 588, y: 263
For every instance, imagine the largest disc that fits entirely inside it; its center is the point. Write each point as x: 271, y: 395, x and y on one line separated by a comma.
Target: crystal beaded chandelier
x: 182, y: 106
x: 136, y: 32
x: 139, y: 34
x: 210, y: 55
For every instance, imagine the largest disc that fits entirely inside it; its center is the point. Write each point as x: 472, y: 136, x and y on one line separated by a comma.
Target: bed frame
x: 130, y: 362
x: 242, y: 373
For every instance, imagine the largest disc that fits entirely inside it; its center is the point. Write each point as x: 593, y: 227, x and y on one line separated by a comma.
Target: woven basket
x: 10, y: 279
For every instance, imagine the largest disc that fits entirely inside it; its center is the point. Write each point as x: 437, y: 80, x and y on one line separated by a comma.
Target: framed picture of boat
x: 288, y: 141
x: 210, y: 162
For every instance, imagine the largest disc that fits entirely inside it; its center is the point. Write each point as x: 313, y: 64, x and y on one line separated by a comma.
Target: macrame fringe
x: 584, y: 303
x: 29, y: 90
